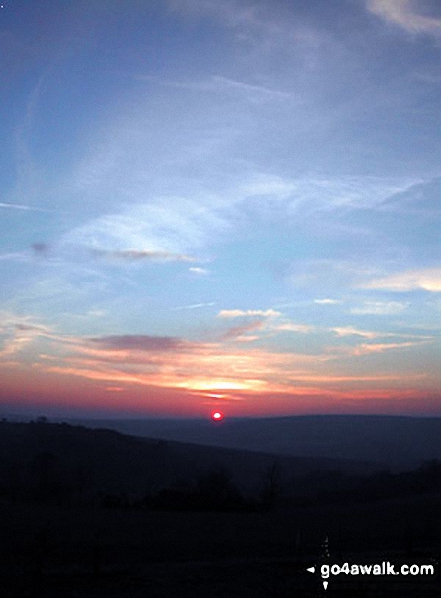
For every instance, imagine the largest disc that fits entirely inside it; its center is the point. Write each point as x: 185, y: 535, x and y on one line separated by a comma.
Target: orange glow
x: 69, y: 373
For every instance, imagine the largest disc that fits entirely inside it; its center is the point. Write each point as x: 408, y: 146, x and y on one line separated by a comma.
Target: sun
x: 217, y: 416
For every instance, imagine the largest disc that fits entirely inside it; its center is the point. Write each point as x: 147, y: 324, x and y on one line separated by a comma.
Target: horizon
x: 73, y: 418
x: 220, y: 205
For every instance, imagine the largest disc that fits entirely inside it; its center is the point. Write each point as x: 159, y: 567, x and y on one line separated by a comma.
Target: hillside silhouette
x: 394, y: 441
x: 93, y: 512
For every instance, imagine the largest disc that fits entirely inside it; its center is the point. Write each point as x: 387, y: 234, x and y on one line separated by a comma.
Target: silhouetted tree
x: 272, y: 485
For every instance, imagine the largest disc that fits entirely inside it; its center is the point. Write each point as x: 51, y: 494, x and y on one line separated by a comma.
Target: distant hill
x: 59, y: 460
x: 397, y: 442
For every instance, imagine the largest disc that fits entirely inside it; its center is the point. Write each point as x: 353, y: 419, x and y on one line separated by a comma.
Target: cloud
x: 14, y: 345
x: 210, y: 396
x: 420, y: 199
x: 259, y: 90
x: 164, y: 228
x: 351, y: 331
x: 428, y: 279
x: 343, y: 331
x: 406, y: 14
x: 199, y: 271
x: 141, y: 343
x: 14, y: 256
x: 367, y: 349
x: 374, y: 348
x: 213, y: 368
x: 19, y: 332
x: 12, y: 322
x: 380, y: 308
x: 290, y: 327
x: 239, y: 313
x: 233, y: 14
x: 252, y: 92
x: 327, y: 301
x: 40, y: 249
x: 194, y: 306
x: 174, y: 362
x: 32, y: 328
x: 239, y: 332
x: 15, y: 206
x: 145, y: 254
x: 219, y: 83
x: 126, y: 255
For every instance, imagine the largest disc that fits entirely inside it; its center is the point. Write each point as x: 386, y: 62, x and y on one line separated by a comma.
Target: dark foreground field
x: 92, y: 514
x: 53, y: 551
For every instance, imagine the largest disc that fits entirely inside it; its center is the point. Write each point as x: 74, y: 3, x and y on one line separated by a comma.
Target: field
x: 50, y: 551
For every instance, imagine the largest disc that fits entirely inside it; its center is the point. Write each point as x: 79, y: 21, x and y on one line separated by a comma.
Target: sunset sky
x: 220, y: 204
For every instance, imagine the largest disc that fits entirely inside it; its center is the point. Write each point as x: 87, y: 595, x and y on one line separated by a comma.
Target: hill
x: 396, y: 442
x: 42, y: 458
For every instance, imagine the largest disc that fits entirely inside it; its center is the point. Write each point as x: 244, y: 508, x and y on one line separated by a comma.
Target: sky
x: 220, y: 204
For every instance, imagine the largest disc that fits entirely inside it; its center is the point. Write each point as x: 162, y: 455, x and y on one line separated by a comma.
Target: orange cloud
x: 113, y: 368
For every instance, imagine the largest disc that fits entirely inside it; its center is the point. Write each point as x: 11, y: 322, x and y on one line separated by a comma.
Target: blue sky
x: 228, y: 203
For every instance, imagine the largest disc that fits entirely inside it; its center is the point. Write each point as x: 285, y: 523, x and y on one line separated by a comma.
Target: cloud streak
x: 141, y: 343
x: 427, y: 279
x: 194, y: 306
x: 405, y: 14
x: 15, y: 206
x: 380, y: 308
x: 239, y: 333
x: 368, y: 349
x: 220, y: 84
x: 240, y: 313
x: 327, y: 301
x: 144, y: 254
x: 291, y: 327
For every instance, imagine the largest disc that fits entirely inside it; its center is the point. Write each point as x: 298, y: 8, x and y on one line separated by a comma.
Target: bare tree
x: 272, y: 485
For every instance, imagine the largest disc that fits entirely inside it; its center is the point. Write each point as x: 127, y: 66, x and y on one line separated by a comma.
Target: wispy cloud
x: 220, y: 84
x: 250, y: 89
x: 240, y: 313
x: 232, y: 13
x: 10, y: 321
x: 162, y: 228
x: 292, y: 327
x: 199, y: 271
x: 344, y: 331
x: 240, y: 332
x: 40, y: 249
x: 327, y: 301
x: 380, y: 308
x: 144, y: 254
x: 19, y: 332
x: 173, y: 362
x: 367, y: 349
x: 426, y: 279
x: 218, y: 369
x: 15, y: 206
x: 406, y: 14
x: 141, y: 343
x: 13, y: 256
x: 194, y: 306
x: 420, y: 199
